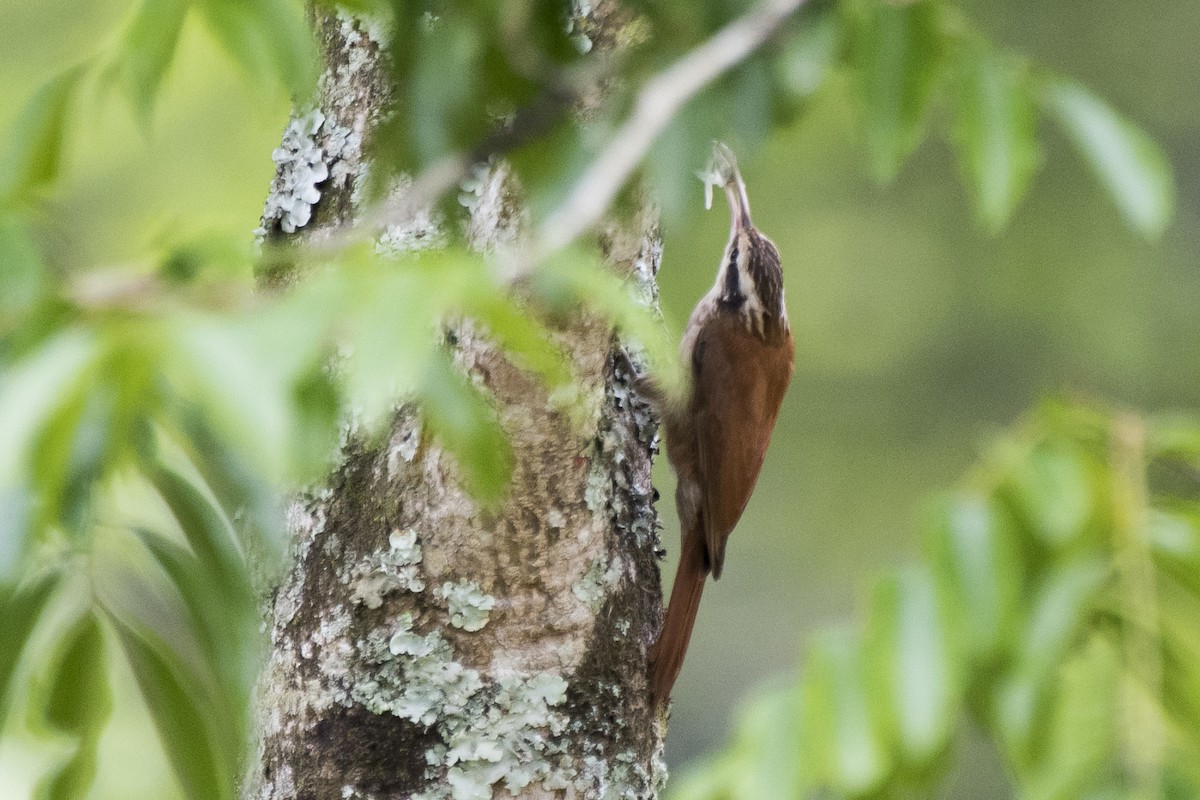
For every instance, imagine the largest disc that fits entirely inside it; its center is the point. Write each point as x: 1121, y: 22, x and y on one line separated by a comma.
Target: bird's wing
x: 739, y: 385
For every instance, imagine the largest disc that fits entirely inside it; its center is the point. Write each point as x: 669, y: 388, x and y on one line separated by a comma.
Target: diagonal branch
x: 656, y: 105
x: 659, y: 101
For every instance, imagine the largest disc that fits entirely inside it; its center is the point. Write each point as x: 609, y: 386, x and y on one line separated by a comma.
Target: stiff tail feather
x: 666, y: 656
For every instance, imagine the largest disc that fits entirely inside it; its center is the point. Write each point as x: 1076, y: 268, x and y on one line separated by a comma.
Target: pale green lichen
x: 423, y: 230
x: 311, y: 143
x: 658, y: 767
x: 506, y: 732
x: 405, y: 442
x: 376, y: 28
x: 598, y: 489
x: 404, y: 546
x: 471, y: 187
x: 396, y: 568
x: 417, y: 679
x: 621, y: 776
x: 580, y: 9
x: 300, y: 165
x: 469, y: 605
x: 592, y: 588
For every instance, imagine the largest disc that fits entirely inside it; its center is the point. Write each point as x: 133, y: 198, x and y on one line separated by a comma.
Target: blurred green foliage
x: 1055, y: 607
x: 153, y: 411
x: 202, y: 402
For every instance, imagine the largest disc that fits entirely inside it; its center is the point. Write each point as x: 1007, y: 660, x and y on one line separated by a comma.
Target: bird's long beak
x: 723, y: 171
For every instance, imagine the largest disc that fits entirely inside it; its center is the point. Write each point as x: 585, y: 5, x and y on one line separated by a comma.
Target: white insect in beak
x: 720, y: 170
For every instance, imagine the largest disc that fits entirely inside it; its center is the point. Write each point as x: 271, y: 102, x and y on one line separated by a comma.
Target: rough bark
x: 422, y: 646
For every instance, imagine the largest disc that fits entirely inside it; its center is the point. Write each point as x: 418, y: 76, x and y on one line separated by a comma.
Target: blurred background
x: 918, y: 336
x: 917, y: 333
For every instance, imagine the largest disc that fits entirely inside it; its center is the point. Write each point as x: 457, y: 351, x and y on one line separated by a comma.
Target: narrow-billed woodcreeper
x: 739, y: 346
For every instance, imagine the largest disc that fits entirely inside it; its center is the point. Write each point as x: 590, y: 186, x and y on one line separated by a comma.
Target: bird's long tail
x: 666, y: 656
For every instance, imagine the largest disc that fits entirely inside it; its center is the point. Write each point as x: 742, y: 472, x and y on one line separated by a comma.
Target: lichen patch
x: 386, y: 571
x: 507, y: 731
x: 469, y: 605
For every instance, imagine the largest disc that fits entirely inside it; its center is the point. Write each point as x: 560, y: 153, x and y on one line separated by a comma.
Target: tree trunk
x: 421, y: 646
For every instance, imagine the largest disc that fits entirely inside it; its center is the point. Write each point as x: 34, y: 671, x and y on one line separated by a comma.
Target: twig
x: 1143, y: 737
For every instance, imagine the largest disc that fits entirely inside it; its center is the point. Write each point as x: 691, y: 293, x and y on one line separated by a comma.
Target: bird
x: 738, y: 345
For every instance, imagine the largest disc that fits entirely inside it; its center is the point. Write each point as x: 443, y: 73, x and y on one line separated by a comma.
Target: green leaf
x: 240, y: 489
x: 764, y: 762
x: 206, y: 529
x: 1053, y: 488
x: 196, y: 693
x: 180, y: 711
x: 71, y: 454
x: 20, y: 609
x: 445, y: 89
x: 218, y: 365
x: 1127, y: 162
x: 78, y: 700
x: 1059, y: 609
x: 1180, y: 638
x: 1176, y: 436
x: 550, y: 165
x: 1083, y: 725
x: 465, y: 423
x: 136, y: 592
x: 994, y: 132
x: 898, y: 54
x: 519, y: 332
x: 269, y: 38
x: 390, y: 335
x: 845, y: 749
x: 1174, y: 538
x: 216, y: 257
x: 16, y: 524
x: 73, y: 780
x: 225, y: 620
x: 146, y: 50
x: 574, y: 279
x: 317, y: 402
x: 1174, y: 535
x: 914, y: 663
x: 38, y: 140
x: 22, y: 274
x: 976, y: 569
x: 812, y: 51
x: 761, y: 761
x: 195, y: 690
x: 74, y: 699
x: 33, y: 390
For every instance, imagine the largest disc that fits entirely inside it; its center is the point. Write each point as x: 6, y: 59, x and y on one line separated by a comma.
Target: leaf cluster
x: 149, y: 432
x: 1054, y: 608
x: 911, y: 67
